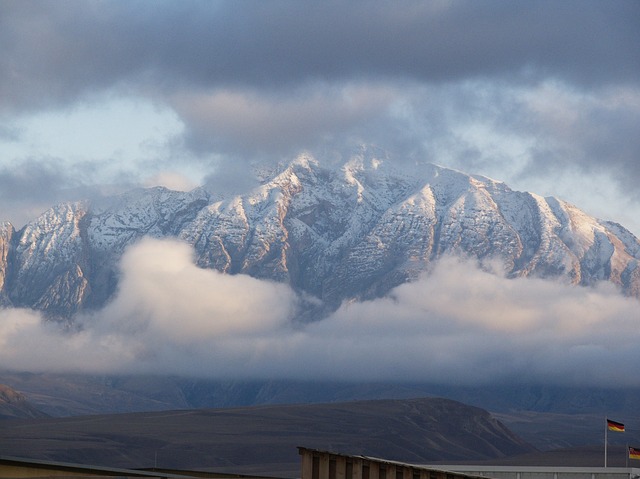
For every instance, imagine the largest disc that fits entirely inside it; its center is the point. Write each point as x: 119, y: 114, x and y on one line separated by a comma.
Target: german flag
x: 634, y: 453
x: 615, y: 426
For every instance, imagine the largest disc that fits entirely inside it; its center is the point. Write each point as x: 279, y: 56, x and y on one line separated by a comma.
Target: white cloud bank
x: 458, y: 325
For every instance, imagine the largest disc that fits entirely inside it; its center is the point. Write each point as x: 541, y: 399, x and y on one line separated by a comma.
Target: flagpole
x: 606, y: 428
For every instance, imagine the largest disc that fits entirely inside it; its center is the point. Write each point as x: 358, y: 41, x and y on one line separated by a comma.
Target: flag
x: 634, y: 453
x: 615, y: 426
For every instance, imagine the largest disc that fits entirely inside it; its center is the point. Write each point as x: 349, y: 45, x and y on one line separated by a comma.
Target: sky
x: 97, y: 97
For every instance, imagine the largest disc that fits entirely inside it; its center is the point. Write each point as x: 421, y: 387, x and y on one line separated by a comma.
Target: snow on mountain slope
x: 47, y: 266
x: 117, y: 222
x: 335, y: 234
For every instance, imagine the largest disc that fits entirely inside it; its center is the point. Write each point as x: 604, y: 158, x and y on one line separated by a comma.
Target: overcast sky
x: 96, y: 97
x: 103, y: 95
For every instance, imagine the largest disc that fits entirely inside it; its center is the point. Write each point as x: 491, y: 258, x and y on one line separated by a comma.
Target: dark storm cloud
x: 55, y: 51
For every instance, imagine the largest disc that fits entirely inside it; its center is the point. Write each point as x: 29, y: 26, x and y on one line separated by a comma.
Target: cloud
x: 465, y: 325
x: 34, y: 185
x: 30, y: 187
x: 165, y: 294
x: 30, y: 344
x: 252, y: 124
x: 588, y: 130
x: 279, y: 44
x: 461, y: 324
x: 172, y: 180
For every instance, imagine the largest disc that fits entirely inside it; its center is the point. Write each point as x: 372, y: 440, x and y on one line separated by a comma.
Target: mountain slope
x: 15, y: 405
x: 353, y: 232
x: 264, y: 439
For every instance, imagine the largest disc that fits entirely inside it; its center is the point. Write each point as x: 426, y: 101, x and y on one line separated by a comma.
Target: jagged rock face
x: 49, y: 256
x: 335, y: 234
x: 6, y: 233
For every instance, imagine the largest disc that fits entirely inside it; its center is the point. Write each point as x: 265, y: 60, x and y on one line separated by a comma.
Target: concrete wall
x: 327, y: 465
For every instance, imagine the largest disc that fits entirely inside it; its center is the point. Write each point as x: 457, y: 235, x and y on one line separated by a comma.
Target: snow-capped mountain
x: 333, y: 234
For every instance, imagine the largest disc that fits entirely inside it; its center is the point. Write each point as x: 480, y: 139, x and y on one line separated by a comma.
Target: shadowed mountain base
x: 264, y: 439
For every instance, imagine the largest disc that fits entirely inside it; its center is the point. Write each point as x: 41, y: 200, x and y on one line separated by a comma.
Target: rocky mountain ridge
x: 15, y: 405
x: 333, y: 234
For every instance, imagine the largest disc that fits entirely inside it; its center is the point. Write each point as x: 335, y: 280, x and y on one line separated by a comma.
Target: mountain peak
x: 332, y: 234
